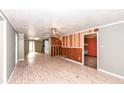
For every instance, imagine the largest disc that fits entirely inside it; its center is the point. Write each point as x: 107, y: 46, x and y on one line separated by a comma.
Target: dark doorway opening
x: 90, y: 50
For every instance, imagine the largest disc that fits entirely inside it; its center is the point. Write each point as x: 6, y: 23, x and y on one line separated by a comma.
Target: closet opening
x: 90, y: 50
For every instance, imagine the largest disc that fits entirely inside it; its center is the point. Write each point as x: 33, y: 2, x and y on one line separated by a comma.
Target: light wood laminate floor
x: 41, y: 69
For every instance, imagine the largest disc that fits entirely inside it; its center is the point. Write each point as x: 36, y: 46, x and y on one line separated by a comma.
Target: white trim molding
x: 5, y: 49
x: 83, y: 54
x: 90, y: 28
x: 11, y: 74
x: 121, y: 77
x: 5, y: 54
x: 70, y: 47
x: 76, y: 62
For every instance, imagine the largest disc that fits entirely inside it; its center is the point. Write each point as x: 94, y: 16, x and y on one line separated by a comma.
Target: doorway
x: 46, y: 47
x: 3, y: 56
x: 90, y: 50
x: 31, y: 46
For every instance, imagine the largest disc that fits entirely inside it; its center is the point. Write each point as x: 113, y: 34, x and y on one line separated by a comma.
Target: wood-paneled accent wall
x: 55, y: 46
x: 72, y: 53
x: 72, y: 41
x: 72, y: 45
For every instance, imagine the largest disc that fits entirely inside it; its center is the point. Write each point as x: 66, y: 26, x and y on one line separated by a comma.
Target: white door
x: 46, y: 47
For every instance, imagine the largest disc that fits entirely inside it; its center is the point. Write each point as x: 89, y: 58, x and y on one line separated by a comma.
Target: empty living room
x: 61, y: 47
x: 56, y: 47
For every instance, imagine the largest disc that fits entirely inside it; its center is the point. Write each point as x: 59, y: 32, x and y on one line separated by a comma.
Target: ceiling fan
x: 55, y: 32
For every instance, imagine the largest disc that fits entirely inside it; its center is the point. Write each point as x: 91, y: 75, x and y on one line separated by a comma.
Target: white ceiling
x: 38, y: 23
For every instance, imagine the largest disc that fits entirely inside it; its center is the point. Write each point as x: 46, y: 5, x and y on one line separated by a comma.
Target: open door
x: 90, y: 50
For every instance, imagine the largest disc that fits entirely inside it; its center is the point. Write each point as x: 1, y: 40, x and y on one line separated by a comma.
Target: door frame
x: 47, y: 53
x: 83, y: 54
x: 16, y: 47
x: 5, y: 48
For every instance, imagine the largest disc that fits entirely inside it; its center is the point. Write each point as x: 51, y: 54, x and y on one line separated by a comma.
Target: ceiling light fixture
x: 53, y: 30
x: 36, y: 38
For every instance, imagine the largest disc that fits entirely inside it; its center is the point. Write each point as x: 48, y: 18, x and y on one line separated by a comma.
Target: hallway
x: 41, y: 69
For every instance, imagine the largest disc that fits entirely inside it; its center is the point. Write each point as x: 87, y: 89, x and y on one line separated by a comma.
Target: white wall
x: 1, y: 51
x: 111, y: 42
x: 10, y: 49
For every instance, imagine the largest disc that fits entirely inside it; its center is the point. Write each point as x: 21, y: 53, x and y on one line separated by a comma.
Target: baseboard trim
x: 21, y: 60
x: 121, y: 77
x: 76, y: 62
x: 11, y: 74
